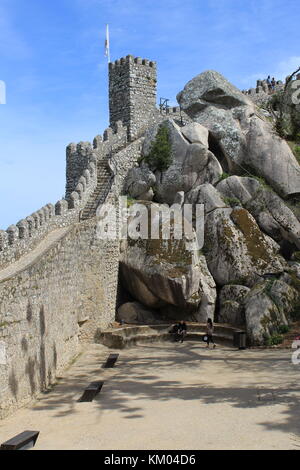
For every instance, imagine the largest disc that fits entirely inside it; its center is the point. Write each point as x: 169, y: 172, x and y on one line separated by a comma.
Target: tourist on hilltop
x: 273, y: 84
x: 210, y: 332
x: 269, y: 83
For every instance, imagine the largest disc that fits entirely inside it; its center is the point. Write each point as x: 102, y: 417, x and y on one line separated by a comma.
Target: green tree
x: 160, y: 156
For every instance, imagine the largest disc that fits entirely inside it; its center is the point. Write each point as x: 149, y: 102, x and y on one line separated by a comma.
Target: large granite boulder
x: 236, y: 250
x: 195, y: 134
x: 267, y: 307
x: 139, y: 181
x: 241, y: 188
x: 136, y: 313
x: 245, y: 139
x: 169, y: 183
x: 295, y: 268
x: 290, y: 107
x: 179, y: 144
x: 200, y: 166
x: 232, y: 309
x: 271, y: 213
x: 160, y: 273
x: 192, y: 163
x: 272, y: 158
x: 207, y: 88
x: 207, y: 195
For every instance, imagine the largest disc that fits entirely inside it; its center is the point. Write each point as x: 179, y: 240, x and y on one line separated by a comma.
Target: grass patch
x: 283, y: 329
x: 224, y: 176
x: 295, y: 148
x: 274, y: 340
x: 296, y: 256
x: 232, y: 201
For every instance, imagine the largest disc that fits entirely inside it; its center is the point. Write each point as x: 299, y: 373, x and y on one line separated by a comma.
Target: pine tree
x: 160, y: 156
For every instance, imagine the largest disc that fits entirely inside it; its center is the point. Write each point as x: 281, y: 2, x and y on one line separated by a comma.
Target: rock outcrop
x: 267, y: 307
x: 247, y: 141
x: 192, y: 164
x: 139, y: 181
x: 289, y: 102
x: 271, y: 213
x: 232, y: 304
x: 236, y: 250
x: 230, y: 160
x: 135, y: 312
x: 164, y: 273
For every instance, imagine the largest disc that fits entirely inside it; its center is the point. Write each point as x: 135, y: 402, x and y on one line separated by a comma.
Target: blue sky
x: 52, y: 61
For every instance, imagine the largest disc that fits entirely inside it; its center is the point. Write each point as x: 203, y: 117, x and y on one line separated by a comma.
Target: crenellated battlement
x: 130, y: 59
x: 262, y: 93
x: 78, y: 157
x: 22, y: 237
x: 112, y: 140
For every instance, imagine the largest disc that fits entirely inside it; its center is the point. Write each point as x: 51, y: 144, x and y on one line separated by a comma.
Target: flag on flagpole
x: 107, y: 50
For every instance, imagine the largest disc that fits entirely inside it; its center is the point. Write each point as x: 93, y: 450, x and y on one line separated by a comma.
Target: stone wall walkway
x: 30, y: 257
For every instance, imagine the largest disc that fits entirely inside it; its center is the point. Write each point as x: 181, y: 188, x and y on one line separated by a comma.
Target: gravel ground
x: 170, y: 396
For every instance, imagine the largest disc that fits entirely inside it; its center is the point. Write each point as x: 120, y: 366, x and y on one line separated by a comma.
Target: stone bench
x: 23, y: 441
x: 91, y: 392
x: 131, y: 335
x: 111, y: 360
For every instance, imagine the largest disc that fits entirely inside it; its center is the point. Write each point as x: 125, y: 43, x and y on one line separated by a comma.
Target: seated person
x: 174, y: 331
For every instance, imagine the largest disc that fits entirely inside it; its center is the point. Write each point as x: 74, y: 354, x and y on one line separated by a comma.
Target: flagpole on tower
x: 107, y: 45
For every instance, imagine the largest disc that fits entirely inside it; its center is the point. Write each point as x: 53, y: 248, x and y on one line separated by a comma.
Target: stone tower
x: 132, y: 94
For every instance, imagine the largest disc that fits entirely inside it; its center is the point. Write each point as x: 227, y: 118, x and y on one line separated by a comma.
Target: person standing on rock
x: 210, y: 332
x: 273, y: 83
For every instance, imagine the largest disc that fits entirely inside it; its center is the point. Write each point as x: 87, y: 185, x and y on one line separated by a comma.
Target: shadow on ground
x: 139, y: 374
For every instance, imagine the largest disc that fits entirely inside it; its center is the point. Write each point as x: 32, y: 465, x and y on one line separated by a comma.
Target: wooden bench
x: 111, y: 360
x: 23, y: 441
x: 91, y: 392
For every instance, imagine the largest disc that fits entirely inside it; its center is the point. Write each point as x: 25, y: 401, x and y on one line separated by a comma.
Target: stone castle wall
x: 68, y: 292
x: 21, y: 238
x: 132, y: 94
x: 64, y: 296
x: 122, y: 162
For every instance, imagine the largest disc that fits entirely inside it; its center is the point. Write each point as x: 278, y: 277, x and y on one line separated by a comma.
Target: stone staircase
x: 131, y: 335
x: 104, y: 180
